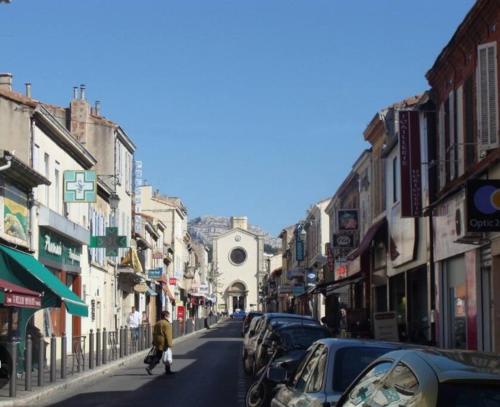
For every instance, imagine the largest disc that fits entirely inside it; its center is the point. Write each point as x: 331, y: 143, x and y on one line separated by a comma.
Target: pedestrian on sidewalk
x: 162, y: 341
x: 133, y: 321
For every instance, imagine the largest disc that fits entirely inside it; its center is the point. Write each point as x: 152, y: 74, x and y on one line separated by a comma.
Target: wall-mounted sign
x: 172, y: 281
x: 298, y: 290
x: 410, y: 164
x: 23, y: 301
x: 181, y: 312
x: 483, y: 205
x: 347, y: 219
x: 58, y: 252
x: 80, y: 186
x: 299, y: 249
x: 15, y: 214
x: 158, y: 254
x: 155, y: 273
x: 330, y: 260
x: 340, y: 271
x: 285, y: 289
x: 343, y: 240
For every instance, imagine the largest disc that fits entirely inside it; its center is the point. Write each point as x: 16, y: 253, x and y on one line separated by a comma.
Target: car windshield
x: 350, y: 362
x: 301, y: 336
x: 468, y: 394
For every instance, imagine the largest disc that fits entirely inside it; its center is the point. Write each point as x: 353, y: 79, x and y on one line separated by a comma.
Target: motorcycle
x: 281, y: 361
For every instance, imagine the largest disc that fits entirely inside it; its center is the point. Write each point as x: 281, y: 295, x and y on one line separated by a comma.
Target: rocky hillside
x: 205, y: 228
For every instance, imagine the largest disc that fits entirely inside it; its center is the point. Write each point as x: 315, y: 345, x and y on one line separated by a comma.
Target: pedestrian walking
x: 162, y: 342
x: 133, y: 321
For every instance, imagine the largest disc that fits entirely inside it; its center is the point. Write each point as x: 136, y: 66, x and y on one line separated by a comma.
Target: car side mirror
x: 277, y: 374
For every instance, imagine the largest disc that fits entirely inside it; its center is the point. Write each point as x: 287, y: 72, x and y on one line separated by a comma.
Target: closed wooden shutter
x: 470, y: 147
x: 487, y: 96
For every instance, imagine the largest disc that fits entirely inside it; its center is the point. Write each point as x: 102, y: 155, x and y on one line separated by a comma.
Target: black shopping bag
x: 150, y: 356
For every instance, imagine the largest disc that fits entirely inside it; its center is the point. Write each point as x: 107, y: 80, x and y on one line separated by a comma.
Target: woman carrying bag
x: 162, y: 345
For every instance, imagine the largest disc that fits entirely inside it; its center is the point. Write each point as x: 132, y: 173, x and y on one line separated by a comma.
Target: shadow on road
x: 208, y: 375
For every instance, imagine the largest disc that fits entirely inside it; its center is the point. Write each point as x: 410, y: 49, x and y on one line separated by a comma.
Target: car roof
x: 296, y: 325
x: 452, y: 365
x: 338, y: 343
x: 286, y: 315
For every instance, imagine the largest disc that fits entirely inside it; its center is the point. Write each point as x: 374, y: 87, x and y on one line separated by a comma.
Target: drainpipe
x: 33, y: 207
x: 8, y: 158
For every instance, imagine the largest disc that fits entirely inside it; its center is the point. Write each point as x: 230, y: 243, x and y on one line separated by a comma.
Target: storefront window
x: 457, y: 302
x: 398, y: 302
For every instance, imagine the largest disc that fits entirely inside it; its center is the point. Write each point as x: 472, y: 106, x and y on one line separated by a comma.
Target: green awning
x: 46, y: 280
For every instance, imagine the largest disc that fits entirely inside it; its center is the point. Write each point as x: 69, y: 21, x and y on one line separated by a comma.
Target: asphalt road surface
x: 208, y: 373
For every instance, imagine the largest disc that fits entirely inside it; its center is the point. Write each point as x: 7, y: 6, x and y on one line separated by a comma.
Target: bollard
x: 53, y: 358
x: 64, y: 352
x: 27, y: 363
x: 13, y: 369
x: 91, y: 349
x: 120, y: 337
x: 104, y: 346
x: 41, y: 360
x: 98, y: 347
x: 126, y: 341
x: 139, y: 339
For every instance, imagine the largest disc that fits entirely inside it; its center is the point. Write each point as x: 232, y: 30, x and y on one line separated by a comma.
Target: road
x: 208, y: 373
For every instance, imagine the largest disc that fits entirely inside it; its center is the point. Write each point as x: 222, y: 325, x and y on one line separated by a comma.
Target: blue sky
x: 239, y: 107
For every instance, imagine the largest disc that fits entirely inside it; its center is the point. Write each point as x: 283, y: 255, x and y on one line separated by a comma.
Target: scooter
x: 260, y: 391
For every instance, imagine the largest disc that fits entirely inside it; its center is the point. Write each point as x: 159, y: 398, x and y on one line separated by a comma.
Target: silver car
x: 327, y: 369
x: 249, y: 344
x: 427, y: 378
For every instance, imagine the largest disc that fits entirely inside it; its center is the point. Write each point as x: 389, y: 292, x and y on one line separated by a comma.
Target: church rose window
x: 238, y: 255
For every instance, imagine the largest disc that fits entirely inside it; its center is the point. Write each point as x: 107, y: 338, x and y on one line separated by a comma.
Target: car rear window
x: 301, y: 336
x: 350, y: 362
x: 462, y: 394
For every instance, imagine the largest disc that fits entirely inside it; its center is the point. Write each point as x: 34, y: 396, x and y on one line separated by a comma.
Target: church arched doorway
x: 236, y: 296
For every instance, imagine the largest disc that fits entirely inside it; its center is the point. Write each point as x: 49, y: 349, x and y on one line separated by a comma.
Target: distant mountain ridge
x: 205, y: 228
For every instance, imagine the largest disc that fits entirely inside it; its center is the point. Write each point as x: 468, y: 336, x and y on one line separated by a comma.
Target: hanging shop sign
x: 181, y: 312
x: 58, y: 252
x: 340, y: 270
x: 483, y: 205
x: 15, y: 223
x: 23, y: 301
x: 347, y: 219
x: 410, y: 164
x: 330, y: 260
x: 155, y: 273
x: 343, y: 240
x: 172, y: 281
x: 299, y: 249
x: 80, y: 186
x: 111, y: 241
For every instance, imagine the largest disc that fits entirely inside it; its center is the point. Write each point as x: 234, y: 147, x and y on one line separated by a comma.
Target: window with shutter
x: 487, y: 96
x: 440, y: 159
x: 470, y: 140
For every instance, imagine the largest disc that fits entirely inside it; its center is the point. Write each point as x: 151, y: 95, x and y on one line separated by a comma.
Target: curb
x: 85, y: 377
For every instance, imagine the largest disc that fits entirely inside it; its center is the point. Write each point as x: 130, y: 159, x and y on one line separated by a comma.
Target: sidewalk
x: 29, y: 398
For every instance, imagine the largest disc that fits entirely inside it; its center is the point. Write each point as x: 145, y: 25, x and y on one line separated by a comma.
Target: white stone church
x: 238, y: 257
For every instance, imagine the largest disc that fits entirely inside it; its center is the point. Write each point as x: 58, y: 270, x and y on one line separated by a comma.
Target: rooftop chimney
x: 97, y: 107
x: 6, y: 81
x: 82, y: 91
x: 75, y: 92
x: 28, y: 89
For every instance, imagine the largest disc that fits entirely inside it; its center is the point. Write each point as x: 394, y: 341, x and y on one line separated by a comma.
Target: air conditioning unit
x: 464, y: 237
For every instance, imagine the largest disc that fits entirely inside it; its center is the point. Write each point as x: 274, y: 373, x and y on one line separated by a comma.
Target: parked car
x: 261, y: 327
x: 428, y: 378
x: 246, y: 322
x: 327, y: 369
x: 238, y: 314
x: 250, y: 336
x: 291, y: 336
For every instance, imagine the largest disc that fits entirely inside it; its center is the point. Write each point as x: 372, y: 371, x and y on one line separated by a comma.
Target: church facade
x: 238, y: 257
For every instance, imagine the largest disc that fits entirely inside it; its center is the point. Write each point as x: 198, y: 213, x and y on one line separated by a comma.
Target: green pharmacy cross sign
x: 80, y: 186
x: 111, y: 242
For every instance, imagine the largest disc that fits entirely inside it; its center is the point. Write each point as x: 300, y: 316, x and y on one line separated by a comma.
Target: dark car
x: 290, y: 336
x: 327, y: 369
x: 263, y: 324
x: 246, y: 322
x: 428, y: 378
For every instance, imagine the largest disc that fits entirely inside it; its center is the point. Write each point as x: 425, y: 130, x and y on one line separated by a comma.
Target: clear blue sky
x: 239, y: 107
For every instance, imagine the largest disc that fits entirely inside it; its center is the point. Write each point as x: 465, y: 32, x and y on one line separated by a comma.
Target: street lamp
x: 114, y: 200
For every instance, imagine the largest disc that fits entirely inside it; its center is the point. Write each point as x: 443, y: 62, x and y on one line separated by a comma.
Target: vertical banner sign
x: 137, y: 190
x: 409, y: 158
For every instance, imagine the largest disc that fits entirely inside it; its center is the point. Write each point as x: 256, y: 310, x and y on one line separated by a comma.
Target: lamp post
x: 114, y: 201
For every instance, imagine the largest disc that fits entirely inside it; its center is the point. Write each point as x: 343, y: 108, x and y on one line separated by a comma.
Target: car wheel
x: 256, y: 395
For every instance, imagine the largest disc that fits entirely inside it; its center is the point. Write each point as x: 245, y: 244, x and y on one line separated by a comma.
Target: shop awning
x: 330, y: 287
x: 13, y: 295
x: 367, y: 239
x: 20, y: 261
